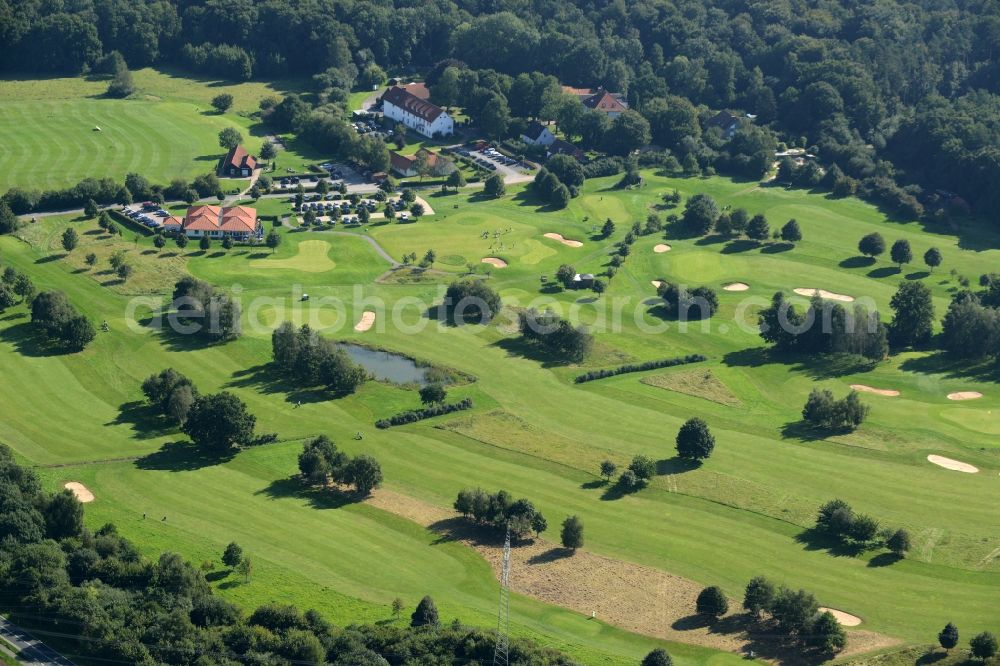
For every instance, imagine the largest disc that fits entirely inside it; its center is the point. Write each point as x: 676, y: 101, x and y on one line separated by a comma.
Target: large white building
x: 417, y: 114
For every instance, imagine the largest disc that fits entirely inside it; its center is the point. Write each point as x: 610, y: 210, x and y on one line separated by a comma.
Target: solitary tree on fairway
x: 91, y: 259
x: 181, y: 241
x: 539, y: 524
x: 70, y: 239
x: 791, y: 233
x: 222, y: 102
x: 220, y: 421
x: 901, y: 252
x: 90, y: 208
x: 758, y: 229
x: 758, y: 596
x: 694, y: 440
x: 432, y: 394
x: 425, y: 615
x: 273, y: 240
x: 230, y: 137
x: 712, y: 602
x: 494, y: 187
x: 899, y: 543
x: 205, y: 243
x: 657, y: 657
x: 159, y: 241
x: 245, y: 569
x: 124, y: 272
x: 933, y: 258
x: 983, y: 646
x: 872, y: 245
x: 948, y: 637
x: 572, y: 533
x: 608, y: 470
x: 397, y: 607
x: 232, y: 555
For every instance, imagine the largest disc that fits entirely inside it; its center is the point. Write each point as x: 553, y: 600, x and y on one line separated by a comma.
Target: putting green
x: 979, y: 420
x: 313, y: 257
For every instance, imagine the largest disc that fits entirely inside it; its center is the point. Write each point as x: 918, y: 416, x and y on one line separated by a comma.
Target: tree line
x: 125, y: 608
x: 321, y: 463
x: 309, y: 360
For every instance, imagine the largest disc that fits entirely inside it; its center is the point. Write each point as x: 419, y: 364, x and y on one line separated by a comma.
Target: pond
x: 386, y: 366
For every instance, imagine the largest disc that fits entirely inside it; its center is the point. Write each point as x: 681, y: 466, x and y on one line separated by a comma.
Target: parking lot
x: 146, y: 213
x: 492, y: 159
x: 334, y: 174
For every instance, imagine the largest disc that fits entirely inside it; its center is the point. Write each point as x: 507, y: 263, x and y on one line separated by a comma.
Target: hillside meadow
x: 533, y: 431
x: 167, y: 129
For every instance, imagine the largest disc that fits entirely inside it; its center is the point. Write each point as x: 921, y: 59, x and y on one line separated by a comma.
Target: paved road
x: 33, y: 651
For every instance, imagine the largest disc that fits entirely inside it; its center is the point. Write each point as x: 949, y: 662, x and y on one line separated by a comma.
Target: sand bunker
x: 823, y: 293
x: 876, y: 391
x: 565, y: 241
x: 657, y: 283
x: 494, y: 262
x: 80, y: 491
x: 736, y: 286
x: 846, y: 619
x: 965, y: 395
x: 953, y: 465
x: 661, y: 248
x: 366, y: 322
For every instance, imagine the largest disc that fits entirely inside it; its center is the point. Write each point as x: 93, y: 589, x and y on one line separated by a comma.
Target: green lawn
x: 166, y: 130
x: 533, y: 431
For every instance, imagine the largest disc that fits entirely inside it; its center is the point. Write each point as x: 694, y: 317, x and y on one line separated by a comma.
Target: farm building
x: 419, y: 115
x: 408, y: 165
x: 237, y: 163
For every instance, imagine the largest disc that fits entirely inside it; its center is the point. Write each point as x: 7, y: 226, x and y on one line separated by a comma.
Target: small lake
x: 386, y: 366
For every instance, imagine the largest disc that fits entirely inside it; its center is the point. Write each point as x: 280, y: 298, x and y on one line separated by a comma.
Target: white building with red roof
x: 421, y: 116
x: 238, y: 222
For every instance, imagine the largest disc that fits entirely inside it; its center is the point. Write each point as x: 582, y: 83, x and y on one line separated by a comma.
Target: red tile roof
x: 409, y: 102
x: 403, y: 163
x: 418, y: 89
x: 604, y: 101
x: 238, y: 219
x: 239, y: 158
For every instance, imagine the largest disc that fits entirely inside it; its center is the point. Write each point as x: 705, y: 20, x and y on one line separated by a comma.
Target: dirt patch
x: 661, y: 248
x: 630, y: 596
x: 494, y: 262
x: 965, y: 395
x: 736, y: 286
x: 954, y: 465
x: 846, y: 619
x: 565, y: 241
x: 699, y: 383
x: 877, y: 391
x: 80, y: 491
x: 366, y: 322
x: 823, y: 293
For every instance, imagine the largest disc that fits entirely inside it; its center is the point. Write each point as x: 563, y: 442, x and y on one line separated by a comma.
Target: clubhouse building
x: 239, y: 223
x: 418, y: 114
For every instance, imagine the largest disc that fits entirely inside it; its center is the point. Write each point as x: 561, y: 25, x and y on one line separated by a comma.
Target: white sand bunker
x: 494, y: 262
x: 366, y: 322
x: 868, y: 389
x: 564, y: 241
x: 845, y: 619
x: 965, y: 395
x: 80, y: 491
x: 953, y: 465
x: 823, y: 293
x: 657, y: 283
x: 736, y: 286
x: 661, y: 248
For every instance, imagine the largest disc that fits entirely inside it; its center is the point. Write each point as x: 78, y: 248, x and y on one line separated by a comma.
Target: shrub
x: 639, y: 367
x: 425, y: 413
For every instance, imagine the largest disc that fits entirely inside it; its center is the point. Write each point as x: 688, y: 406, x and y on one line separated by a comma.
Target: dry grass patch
x: 699, y: 383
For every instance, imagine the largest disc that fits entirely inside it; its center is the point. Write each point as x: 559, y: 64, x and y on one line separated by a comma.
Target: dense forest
x: 102, y: 601
x: 892, y: 93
